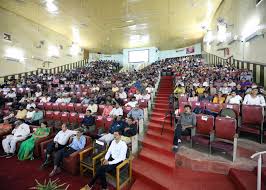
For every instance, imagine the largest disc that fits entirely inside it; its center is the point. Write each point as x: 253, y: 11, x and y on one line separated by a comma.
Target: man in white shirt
x: 122, y: 94
x: 233, y: 98
x: 116, y: 111
x: 30, y: 104
x: 11, y: 95
x: 30, y: 113
x: 149, y: 89
x: 254, y: 99
x: 116, y: 154
x: 132, y: 103
x: 45, y: 99
x: 19, y: 133
x: 59, y: 142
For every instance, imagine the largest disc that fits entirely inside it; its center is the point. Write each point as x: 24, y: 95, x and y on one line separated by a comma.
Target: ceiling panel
x: 111, y: 25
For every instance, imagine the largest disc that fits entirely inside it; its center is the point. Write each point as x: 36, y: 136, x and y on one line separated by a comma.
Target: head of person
x: 117, y: 105
x: 88, y: 112
x: 64, y: 127
x: 193, y: 93
x: 108, y: 103
x: 6, y: 121
x: 117, y: 135
x: 37, y: 109
x: 136, y: 106
x: 187, y: 109
x: 130, y: 120
x: 238, y: 86
x: 44, y: 124
x: 233, y: 93
x: 254, y: 91
x: 20, y: 108
x: 79, y: 132
x: 225, y: 85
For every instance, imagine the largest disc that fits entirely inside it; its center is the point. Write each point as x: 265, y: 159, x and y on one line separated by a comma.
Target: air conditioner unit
x: 254, y: 35
x: 37, y: 58
x: 11, y: 59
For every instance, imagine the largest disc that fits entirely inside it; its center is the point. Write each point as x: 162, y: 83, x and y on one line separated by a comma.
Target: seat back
x: 98, y: 147
x: 57, y: 115
x: 235, y: 107
x: 108, y: 123
x: 181, y: 106
x: 99, y: 121
x: 84, y: 107
x: 78, y: 107
x: 55, y: 106
x: 73, y: 117
x: 213, y: 107
x: 228, y: 112
x: 205, y: 124
x: 80, y: 117
x: 195, y: 104
x: 252, y: 114
x: 70, y: 107
x: 225, y: 128
x: 143, y: 103
x: 100, y: 109
x: 64, y: 117
x: 62, y: 106
x: 48, y: 106
x: 49, y: 115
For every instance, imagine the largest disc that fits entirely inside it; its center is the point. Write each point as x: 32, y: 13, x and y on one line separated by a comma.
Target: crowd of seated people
x: 197, y: 82
x: 98, y: 84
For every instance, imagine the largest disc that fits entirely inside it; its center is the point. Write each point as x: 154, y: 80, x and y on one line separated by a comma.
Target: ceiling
x: 108, y: 26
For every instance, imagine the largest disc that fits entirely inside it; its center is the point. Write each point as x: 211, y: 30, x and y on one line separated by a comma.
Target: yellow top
x: 218, y: 100
x: 180, y: 90
x: 21, y: 114
x: 200, y: 90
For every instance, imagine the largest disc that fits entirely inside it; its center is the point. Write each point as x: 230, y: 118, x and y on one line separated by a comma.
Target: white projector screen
x: 138, y: 56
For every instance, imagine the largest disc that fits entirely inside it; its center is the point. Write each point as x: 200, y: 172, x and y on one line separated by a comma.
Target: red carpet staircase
x: 153, y: 169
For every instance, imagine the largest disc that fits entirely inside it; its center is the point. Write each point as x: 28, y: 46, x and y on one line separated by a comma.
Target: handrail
x: 259, y: 167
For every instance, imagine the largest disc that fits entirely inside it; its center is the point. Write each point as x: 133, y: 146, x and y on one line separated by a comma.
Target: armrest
x: 99, y: 156
x: 44, y: 144
x: 236, y: 135
x: 193, y: 131
x: 83, y: 153
x: 212, y: 136
x: 122, y: 164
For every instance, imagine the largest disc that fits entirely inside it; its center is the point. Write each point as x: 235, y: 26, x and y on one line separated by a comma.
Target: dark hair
x: 118, y: 131
x: 89, y: 111
x: 187, y: 106
x: 131, y: 118
x: 45, y: 123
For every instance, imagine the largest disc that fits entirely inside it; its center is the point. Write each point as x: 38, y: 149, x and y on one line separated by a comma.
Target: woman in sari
x: 27, y: 147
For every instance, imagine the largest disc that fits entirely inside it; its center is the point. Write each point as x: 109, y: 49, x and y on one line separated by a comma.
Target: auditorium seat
x: 78, y: 107
x: 55, y: 106
x: 201, y: 134
x: 214, y: 107
x: 252, y: 121
x: 70, y: 107
x: 225, y: 136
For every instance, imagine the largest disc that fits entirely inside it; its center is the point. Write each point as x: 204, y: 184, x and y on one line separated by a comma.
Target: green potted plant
x: 50, y: 185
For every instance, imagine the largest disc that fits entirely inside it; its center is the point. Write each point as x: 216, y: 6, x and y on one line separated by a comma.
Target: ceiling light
x: 51, y: 7
x: 129, y: 21
x: 74, y: 49
x: 53, y: 51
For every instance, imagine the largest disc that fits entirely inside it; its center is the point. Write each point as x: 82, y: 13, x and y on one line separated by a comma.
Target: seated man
x: 59, y: 142
x: 78, y: 143
x: 19, y: 133
x: 136, y: 113
x: 21, y: 113
x: 115, y: 155
x: 93, y: 107
x: 116, y: 111
x: 36, y: 118
x: 130, y: 130
x: 254, y: 98
x: 88, y: 122
x: 117, y: 125
x: 132, y: 103
x: 29, y: 114
x: 187, y: 120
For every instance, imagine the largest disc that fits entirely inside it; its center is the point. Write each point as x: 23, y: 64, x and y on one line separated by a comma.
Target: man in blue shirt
x: 78, y: 143
x: 88, y: 122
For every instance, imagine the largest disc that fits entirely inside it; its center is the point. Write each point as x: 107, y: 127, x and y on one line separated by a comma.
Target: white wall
x: 113, y: 57
x: 238, y: 13
x: 25, y: 36
x: 179, y: 52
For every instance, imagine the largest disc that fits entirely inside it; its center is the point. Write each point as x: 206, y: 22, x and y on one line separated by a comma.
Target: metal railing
x: 259, y: 154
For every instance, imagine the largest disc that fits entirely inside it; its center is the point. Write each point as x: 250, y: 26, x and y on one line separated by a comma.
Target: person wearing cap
x: 19, y: 133
x: 26, y: 148
x: 233, y: 98
x: 78, y: 143
x: 254, y: 98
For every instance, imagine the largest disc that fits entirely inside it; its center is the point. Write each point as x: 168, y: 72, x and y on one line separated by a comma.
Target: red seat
x: 49, y: 115
x: 225, y: 136
x: 64, y: 117
x: 182, y: 98
x: 84, y: 108
x: 48, y: 106
x: 40, y: 106
x: 197, y: 104
x: 99, y: 121
x: 78, y: 107
x: 57, y: 115
x: 143, y: 103
x: 100, y: 109
x: 181, y: 107
x: 252, y: 120
x: 70, y: 107
x: 201, y: 133
x: 108, y: 123
x: 235, y: 107
x: 55, y: 106
x: 80, y: 117
x: 73, y: 117
x: 62, y: 107
x: 126, y: 110
x: 214, y: 107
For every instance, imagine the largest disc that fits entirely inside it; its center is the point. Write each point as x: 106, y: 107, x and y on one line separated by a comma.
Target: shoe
x: 3, y: 155
x: 45, y: 164
x: 54, y: 172
x: 10, y: 155
x: 86, y: 187
x: 175, y: 148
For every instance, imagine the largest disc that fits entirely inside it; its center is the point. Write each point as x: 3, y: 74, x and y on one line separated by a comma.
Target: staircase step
x: 143, y: 185
x: 167, y: 136
x: 156, y: 109
x: 161, y: 146
x: 152, y: 173
x: 152, y: 156
x: 243, y: 180
x: 160, y: 119
x: 158, y: 127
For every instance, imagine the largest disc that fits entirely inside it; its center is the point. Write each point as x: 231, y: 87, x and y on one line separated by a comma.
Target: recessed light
x: 129, y: 21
